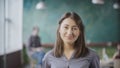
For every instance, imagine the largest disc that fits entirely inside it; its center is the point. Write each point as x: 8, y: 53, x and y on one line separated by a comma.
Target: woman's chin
x: 70, y: 41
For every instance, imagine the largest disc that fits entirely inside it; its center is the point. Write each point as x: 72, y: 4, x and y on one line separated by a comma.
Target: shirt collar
x: 72, y: 56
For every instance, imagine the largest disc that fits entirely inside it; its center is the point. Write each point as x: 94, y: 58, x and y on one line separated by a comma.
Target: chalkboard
x: 101, y: 21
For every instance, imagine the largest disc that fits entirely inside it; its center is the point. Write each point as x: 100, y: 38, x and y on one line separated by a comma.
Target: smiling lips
x: 69, y: 37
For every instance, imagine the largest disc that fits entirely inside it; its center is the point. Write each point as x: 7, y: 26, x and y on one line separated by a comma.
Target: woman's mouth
x: 69, y: 37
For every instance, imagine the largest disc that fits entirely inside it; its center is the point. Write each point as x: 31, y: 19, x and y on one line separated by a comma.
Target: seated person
x: 117, y: 54
x: 116, y: 57
x: 35, y: 51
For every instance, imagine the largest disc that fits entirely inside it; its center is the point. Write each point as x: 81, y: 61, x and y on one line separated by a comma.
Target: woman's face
x: 69, y: 31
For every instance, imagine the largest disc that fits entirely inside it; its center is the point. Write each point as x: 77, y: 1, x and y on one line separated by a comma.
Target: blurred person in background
x: 34, y: 49
x: 116, y: 57
x: 70, y: 50
x: 117, y: 53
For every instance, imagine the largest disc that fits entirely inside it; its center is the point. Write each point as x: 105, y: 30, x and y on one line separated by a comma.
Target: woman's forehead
x: 68, y: 22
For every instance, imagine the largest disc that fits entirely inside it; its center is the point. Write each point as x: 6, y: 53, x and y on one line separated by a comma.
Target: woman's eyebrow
x: 75, y: 26
x: 66, y: 24
x: 72, y: 26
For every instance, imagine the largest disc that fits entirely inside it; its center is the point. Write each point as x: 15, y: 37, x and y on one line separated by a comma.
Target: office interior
x: 101, y: 19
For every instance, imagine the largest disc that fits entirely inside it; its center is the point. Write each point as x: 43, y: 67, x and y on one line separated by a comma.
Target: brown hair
x: 80, y: 49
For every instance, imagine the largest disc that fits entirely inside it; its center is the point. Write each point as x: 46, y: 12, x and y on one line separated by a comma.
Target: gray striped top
x: 90, y: 61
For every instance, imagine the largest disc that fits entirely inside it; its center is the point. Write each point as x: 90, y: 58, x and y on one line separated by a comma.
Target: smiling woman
x: 70, y: 50
x: 69, y: 31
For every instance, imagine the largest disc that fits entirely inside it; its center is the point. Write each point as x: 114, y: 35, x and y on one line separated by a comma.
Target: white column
x: 14, y: 15
x: 11, y: 14
x: 1, y: 27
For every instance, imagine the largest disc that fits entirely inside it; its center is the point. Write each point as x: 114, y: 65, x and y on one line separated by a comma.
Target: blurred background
x: 101, y: 19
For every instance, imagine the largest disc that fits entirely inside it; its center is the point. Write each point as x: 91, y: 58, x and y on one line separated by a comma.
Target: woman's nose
x: 69, y: 32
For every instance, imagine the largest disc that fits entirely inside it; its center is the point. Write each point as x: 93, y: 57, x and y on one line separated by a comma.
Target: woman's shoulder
x: 92, y: 53
x: 48, y: 54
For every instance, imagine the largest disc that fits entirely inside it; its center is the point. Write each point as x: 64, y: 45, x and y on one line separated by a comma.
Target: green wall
x: 101, y: 21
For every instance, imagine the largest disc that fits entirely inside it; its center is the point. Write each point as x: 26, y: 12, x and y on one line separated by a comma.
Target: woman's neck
x: 68, y: 47
x: 68, y: 50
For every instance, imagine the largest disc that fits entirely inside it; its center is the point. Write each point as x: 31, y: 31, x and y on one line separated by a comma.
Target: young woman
x: 70, y: 50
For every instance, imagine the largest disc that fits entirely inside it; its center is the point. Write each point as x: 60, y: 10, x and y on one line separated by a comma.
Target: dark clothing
x: 34, y: 41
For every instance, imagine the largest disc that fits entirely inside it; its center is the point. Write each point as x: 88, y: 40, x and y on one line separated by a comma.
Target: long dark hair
x: 80, y: 49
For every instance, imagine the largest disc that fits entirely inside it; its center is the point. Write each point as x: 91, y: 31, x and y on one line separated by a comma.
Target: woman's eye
x: 66, y: 27
x: 75, y: 28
